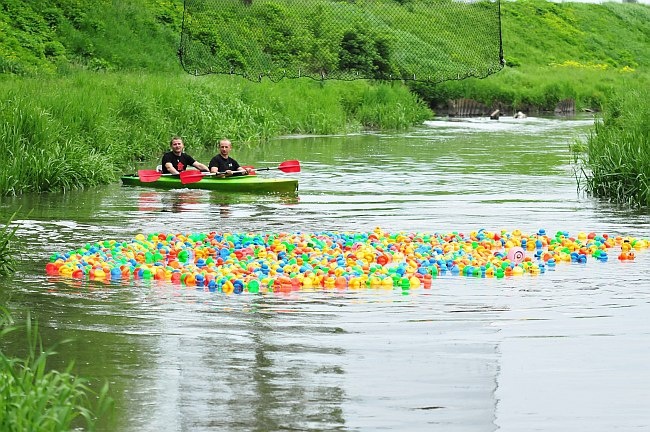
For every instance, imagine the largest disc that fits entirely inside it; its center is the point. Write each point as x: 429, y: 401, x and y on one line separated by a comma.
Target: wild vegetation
x: 372, y: 39
x: 35, y: 399
x: 83, y: 130
x: 552, y: 50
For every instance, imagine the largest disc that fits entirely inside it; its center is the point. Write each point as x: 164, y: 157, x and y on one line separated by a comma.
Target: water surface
x: 566, y: 350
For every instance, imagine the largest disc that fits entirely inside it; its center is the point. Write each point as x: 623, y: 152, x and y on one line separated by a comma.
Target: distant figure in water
x: 520, y: 115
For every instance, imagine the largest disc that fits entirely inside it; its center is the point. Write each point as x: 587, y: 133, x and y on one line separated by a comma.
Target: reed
x: 33, y: 398
x: 615, y: 160
x: 43, y: 153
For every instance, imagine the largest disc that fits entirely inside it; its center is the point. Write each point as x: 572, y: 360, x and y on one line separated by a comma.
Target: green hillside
x: 612, y: 35
x: 55, y: 36
x: 51, y: 36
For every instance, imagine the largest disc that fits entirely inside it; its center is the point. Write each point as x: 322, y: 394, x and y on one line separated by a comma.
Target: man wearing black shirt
x: 175, y: 161
x: 224, y: 164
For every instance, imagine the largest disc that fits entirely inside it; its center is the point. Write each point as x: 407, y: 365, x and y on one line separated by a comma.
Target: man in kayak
x: 224, y: 164
x: 175, y: 161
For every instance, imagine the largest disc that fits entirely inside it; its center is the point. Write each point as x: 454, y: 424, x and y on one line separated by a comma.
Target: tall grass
x: 85, y: 129
x: 33, y: 398
x: 615, y: 161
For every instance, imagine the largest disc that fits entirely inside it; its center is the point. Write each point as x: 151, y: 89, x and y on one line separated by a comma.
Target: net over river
x: 421, y: 40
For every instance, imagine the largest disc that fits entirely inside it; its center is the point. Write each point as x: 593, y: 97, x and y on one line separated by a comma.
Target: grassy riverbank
x: 86, y: 129
x: 553, y: 51
x: 7, y: 258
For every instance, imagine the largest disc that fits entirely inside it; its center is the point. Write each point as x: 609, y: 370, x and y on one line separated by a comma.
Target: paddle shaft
x: 290, y: 166
x: 193, y: 177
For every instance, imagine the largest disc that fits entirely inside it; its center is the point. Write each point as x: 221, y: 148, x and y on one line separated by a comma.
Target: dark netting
x: 421, y: 40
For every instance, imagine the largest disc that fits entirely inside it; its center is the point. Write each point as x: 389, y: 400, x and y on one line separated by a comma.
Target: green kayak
x: 252, y: 184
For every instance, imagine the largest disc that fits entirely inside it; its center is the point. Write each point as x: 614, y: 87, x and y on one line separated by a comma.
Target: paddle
x: 148, y: 176
x: 290, y: 166
x: 194, y: 176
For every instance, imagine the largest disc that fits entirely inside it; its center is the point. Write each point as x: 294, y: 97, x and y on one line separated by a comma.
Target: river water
x: 565, y: 350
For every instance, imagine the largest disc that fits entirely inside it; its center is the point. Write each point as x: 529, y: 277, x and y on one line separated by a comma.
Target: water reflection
x: 192, y: 200
x: 170, y: 201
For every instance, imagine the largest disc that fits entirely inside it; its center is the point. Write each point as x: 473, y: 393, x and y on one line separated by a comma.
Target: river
x: 564, y: 350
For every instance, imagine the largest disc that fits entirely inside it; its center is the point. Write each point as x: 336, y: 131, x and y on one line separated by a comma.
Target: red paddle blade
x: 191, y: 176
x: 148, y: 176
x: 290, y: 166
